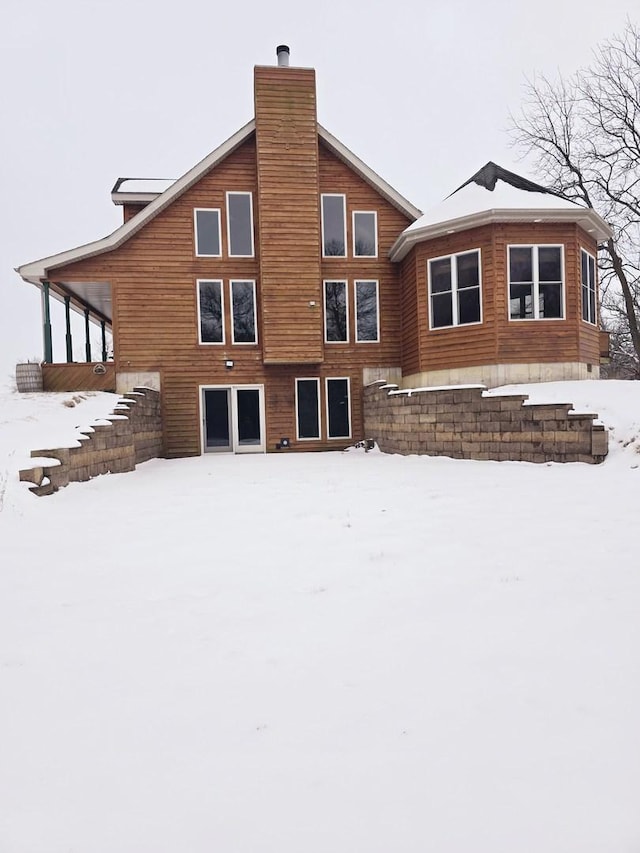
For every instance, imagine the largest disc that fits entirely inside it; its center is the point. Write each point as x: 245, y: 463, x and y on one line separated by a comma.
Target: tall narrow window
x: 210, y: 311
x: 455, y: 290
x: 338, y: 408
x: 240, y: 225
x: 308, y: 408
x: 336, y: 322
x: 365, y: 234
x: 207, y: 232
x: 588, y: 276
x: 243, y: 310
x: 334, y: 226
x: 535, y: 283
x: 367, y: 327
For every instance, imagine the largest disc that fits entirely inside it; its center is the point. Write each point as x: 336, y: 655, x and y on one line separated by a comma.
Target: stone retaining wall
x: 133, y: 435
x: 466, y: 424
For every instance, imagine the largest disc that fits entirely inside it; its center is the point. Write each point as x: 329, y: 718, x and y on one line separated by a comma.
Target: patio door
x: 233, y: 419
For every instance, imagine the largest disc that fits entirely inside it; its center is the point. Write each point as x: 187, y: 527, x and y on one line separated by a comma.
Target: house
x: 265, y: 288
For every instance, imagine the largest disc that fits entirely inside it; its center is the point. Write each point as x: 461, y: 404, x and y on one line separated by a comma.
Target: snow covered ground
x: 344, y: 652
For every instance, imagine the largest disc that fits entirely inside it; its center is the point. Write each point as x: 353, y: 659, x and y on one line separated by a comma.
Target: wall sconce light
x: 283, y: 444
x: 228, y: 364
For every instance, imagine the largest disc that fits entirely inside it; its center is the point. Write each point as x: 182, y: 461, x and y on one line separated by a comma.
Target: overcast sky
x: 96, y: 89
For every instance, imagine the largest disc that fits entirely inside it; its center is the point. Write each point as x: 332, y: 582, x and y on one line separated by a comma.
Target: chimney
x: 282, y: 52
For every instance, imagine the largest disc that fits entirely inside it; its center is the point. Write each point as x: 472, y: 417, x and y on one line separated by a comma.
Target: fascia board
x: 371, y: 177
x: 37, y: 271
x: 586, y: 217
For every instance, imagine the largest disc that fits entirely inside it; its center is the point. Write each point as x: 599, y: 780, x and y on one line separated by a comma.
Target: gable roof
x: 37, y: 271
x: 495, y: 194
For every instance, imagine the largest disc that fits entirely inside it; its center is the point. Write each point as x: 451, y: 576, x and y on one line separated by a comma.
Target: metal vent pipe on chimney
x: 282, y: 52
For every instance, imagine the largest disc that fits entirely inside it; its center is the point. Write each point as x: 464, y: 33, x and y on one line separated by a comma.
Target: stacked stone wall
x: 464, y: 423
x: 133, y: 435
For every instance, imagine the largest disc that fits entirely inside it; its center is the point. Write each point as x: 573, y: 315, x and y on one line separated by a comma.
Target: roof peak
x: 489, y: 175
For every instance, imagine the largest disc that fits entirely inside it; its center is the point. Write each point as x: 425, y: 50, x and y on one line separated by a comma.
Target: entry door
x: 233, y: 419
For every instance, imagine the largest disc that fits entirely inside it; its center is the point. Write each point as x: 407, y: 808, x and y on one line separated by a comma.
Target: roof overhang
x: 372, y: 178
x: 586, y: 218
x: 44, y: 269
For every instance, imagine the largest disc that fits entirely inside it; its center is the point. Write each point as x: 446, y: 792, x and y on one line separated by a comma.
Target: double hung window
x: 455, y: 290
x: 536, y: 289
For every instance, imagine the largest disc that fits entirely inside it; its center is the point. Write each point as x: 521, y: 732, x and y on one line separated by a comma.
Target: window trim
x: 252, y: 282
x: 315, y: 379
x: 346, y: 306
x: 326, y: 400
x: 199, y: 254
x: 536, y: 283
x: 454, y: 291
x: 375, y: 233
x: 375, y: 281
x: 344, y: 218
x: 219, y: 281
x: 593, y: 288
x: 253, y: 246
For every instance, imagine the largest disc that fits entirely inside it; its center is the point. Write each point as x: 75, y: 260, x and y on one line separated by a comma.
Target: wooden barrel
x: 29, y: 377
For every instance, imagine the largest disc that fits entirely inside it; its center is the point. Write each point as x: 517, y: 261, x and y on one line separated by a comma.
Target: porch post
x: 46, y: 323
x: 87, y: 339
x: 67, y: 317
x: 104, y: 340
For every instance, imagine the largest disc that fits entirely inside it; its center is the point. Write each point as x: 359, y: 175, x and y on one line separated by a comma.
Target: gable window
x: 536, y: 289
x: 588, y: 277
x: 240, y: 225
x: 207, y: 232
x: 308, y: 408
x: 365, y: 234
x: 210, y: 312
x: 243, y: 312
x: 338, y: 408
x: 336, y: 326
x: 334, y: 226
x: 454, y: 290
x: 367, y: 326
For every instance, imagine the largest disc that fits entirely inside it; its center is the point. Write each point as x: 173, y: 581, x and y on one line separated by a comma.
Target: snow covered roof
x: 39, y: 270
x: 494, y: 194
x: 143, y: 190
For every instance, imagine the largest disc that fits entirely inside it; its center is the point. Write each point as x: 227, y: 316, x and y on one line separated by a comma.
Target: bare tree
x: 584, y: 133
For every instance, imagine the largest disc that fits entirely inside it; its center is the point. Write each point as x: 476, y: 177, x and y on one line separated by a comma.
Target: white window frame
x: 221, y: 283
x: 454, y: 290
x: 356, y: 282
x: 253, y: 247
x: 344, y: 218
x: 252, y: 282
x: 346, y: 305
x: 196, y: 211
x: 374, y: 213
x: 326, y: 400
x: 591, y: 286
x: 536, y: 283
x: 317, y: 381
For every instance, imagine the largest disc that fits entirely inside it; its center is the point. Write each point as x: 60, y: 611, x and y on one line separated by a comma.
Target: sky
x: 92, y: 91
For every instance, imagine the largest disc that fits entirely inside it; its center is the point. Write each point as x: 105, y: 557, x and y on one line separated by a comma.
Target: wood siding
x: 289, y: 229
x: 498, y: 340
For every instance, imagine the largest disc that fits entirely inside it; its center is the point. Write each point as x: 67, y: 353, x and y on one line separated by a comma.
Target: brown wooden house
x: 263, y: 289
